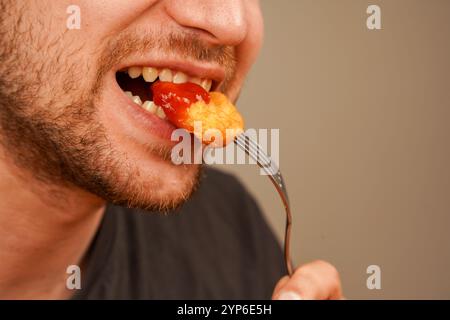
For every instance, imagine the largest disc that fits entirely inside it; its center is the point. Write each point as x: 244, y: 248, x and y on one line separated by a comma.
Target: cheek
x: 255, y: 27
x: 248, y: 50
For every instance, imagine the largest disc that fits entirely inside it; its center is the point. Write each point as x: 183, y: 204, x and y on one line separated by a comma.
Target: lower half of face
x: 85, y: 132
x: 78, y: 112
x: 94, y: 138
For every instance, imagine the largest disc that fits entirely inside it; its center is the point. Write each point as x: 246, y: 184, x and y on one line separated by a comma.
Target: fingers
x: 317, y: 280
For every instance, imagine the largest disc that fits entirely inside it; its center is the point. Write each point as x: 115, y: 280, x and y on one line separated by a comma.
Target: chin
x: 149, y: 179
x: 162, y: 187
x: 169, y: 186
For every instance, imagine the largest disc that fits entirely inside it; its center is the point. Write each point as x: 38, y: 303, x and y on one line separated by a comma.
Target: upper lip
x: 202, y: 70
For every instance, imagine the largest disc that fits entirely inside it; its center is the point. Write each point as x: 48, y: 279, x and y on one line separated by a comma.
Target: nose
x: 222, y: 21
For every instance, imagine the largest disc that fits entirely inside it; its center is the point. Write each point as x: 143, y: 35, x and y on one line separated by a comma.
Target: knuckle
x: 322, y: 276
x: 330, y: 269
x: 322, y: 263
x: 335, y: 274
x: 306, y: 271
x: 333, y: 271
x: 330, y: 273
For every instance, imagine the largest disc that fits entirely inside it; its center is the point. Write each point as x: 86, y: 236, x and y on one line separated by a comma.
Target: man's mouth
x: 136, y: 82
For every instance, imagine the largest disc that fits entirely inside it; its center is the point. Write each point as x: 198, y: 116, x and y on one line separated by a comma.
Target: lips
x: 135, y: 81
x: 183, y: 101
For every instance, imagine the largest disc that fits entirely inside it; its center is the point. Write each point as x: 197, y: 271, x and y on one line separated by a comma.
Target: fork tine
x: 262, y: 154
x: 258, y: 154
x: 266, y: 163
x: 254, y: 154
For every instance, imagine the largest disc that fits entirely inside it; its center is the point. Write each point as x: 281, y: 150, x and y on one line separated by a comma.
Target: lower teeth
x: 149, y: 106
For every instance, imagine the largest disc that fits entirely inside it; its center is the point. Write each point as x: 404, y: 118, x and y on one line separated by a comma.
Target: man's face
x: 64, y: 115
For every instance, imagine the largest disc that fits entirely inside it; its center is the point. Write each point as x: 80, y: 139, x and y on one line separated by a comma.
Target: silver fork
x: 251, y: 148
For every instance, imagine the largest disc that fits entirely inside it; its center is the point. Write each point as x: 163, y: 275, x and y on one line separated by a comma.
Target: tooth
x: 137, y: 100
x: 160, y: 113
x: 195, y: 80
x: 134, y: 72
x: 149, y: 74
x: 129, y: 94
x: 206, y: 84
x: 150, y: 106
x: 165, y: 75
x: 179, y: 77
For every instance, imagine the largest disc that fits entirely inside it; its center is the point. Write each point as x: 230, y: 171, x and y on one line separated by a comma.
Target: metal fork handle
x: 254, y: 151
x: 287, y: 231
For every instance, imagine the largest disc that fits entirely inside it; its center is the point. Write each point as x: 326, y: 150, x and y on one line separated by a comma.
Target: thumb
x: 316, y: 280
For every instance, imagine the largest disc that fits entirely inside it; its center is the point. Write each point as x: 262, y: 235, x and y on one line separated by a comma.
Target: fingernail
x: 289, y: 295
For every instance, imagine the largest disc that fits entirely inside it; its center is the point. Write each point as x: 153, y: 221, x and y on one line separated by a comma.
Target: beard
x: 49, y: 123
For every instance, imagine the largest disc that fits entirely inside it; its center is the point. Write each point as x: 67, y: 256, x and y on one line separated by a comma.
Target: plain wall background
x: 364, y: 138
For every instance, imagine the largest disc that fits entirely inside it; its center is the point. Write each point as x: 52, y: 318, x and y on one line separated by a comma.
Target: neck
x: 43, y: 230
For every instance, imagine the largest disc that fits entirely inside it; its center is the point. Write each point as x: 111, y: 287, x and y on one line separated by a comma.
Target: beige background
x: 364, y: 130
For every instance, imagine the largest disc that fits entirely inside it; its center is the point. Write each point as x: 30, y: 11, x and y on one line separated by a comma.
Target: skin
x: 65, y: 145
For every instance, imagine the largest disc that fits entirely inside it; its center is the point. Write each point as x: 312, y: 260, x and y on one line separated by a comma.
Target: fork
x: 254, y: 151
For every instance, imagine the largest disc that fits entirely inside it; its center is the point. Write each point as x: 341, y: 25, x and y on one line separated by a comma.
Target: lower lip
x: 149, y: 122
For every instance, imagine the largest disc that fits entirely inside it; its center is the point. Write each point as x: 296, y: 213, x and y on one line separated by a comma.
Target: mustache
x: 183, y: 44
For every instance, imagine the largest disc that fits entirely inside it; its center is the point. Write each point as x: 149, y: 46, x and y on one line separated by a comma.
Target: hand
x: 317, y: 280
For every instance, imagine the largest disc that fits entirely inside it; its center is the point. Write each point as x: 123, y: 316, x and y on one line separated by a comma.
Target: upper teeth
x: 134, y: 72
x: 180, y: 77
x: 151, y: 74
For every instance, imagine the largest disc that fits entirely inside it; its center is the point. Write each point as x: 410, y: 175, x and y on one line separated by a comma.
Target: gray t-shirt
x: 217, y: 246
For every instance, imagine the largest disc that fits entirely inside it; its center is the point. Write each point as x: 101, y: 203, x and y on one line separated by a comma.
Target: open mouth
x: 136, y: 82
